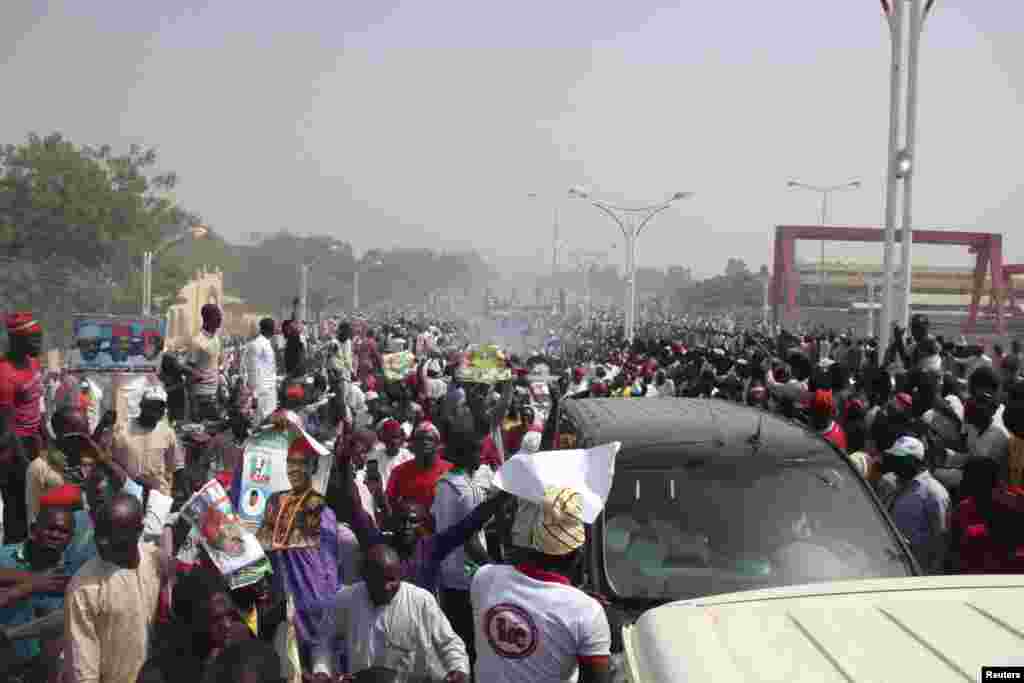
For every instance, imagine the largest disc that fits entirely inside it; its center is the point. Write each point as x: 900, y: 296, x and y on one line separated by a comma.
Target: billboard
x: 117, y: 343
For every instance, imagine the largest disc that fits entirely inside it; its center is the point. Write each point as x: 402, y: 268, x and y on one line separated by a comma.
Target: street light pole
x: 918, y: 12
x: 355, y: 289
x: 631, y: 221
x: 903, y: 30
x: 304, y: 269
x: 555, y: 246
x: 825, y: 191
x: 303, y: 289
x: 195, y: 232
x: 357, y: 273
x: 586, y: 261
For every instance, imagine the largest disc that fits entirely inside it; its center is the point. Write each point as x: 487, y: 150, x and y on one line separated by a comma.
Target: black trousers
x: 15, y: 505
x: 456, y: 606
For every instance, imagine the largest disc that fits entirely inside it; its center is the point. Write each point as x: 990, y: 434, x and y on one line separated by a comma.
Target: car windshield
x: 720, y: 527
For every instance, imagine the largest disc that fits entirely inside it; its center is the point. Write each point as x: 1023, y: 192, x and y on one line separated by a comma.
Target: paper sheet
x: 589, y: 471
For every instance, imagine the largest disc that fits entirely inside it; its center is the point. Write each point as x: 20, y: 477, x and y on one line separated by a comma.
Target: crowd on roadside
x: 408, y: 559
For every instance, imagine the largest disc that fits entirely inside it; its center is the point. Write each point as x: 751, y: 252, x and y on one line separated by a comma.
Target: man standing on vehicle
x: 205, y: 358
x: 260, y: 368
x: 531, y: 624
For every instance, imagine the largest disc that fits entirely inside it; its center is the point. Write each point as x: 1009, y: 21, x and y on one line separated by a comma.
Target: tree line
x: 75, y: 221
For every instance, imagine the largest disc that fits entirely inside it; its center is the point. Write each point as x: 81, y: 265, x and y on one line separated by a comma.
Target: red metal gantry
x: 988, y: 247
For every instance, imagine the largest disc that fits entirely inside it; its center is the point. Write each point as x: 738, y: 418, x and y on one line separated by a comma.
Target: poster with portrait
x: 485, y: 365
x: 265, y: 472
x: 117, y: 343
x: 230, y: 545
x: 399, y: 365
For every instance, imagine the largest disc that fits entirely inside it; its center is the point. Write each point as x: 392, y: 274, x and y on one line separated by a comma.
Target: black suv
x: 713, y: 497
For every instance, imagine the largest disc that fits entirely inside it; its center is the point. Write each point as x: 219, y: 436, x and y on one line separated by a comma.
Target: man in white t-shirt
x: 531, y: 625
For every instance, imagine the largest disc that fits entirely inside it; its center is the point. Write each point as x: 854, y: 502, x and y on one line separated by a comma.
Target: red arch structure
x: 987, y: 246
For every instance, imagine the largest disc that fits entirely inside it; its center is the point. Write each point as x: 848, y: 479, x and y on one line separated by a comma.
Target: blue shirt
x: 83, y: 546
x: 29, y: 608
x: 921, y: 512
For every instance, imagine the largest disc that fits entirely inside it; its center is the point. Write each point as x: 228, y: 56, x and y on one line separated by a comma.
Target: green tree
x: 76, y: 220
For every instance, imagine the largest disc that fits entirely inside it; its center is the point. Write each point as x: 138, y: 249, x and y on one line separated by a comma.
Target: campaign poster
x: 399, y: 365
x: 117, y: 343
x: 228, y: 543
x: 265, y: 472
x: 485, y: 365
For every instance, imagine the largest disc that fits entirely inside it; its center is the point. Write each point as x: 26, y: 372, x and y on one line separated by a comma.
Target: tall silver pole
x: 892, y: 183
x: 914, y: 45
x: 766, y: 305
x: 554, y: 256
x: 303, y: 284
x: 588, y: 302
x: 632, y: 284
x: 355, y: 289
x: 147, y: 282
x: 824, y: 222
x: 629, y: 270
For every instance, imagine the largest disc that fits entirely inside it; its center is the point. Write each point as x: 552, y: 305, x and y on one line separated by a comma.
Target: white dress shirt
x: 409, y: 635
x: 259, y: 365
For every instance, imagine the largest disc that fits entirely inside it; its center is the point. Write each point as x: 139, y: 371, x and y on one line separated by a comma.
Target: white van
x: 943, y: 628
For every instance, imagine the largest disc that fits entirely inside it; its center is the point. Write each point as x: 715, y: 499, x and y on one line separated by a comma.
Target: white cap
x: 907, y: 446
x: 155, y: 393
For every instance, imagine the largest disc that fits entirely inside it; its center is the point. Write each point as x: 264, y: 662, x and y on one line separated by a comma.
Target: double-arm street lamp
x: 632, y: 221
x: 586, y: 261
x: 556, y: 245
x: 304, y: 269
x: 368, y: 261
x: 194, y: 231
x: 826, y: 192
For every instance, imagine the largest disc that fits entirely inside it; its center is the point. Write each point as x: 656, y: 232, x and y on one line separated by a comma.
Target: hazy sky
x: 427, y: 123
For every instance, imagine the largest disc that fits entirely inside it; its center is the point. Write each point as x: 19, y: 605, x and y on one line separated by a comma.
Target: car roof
x: 939, y: 628
x: 648, y: 425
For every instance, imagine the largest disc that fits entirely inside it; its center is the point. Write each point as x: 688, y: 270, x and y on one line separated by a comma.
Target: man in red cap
x: 417, y: 479
x: 21, y: 391
x: 822, y: 417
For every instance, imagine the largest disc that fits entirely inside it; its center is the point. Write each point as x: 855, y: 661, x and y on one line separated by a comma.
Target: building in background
x: 184, y: 318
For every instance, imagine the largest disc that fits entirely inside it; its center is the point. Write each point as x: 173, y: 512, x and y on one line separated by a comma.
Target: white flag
x: 589, y: 472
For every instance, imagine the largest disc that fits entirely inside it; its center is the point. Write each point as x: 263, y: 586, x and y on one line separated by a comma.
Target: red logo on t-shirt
x: 511, y: 631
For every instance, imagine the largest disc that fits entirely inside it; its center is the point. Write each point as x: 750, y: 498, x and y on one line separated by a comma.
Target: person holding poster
x: 300, y: 534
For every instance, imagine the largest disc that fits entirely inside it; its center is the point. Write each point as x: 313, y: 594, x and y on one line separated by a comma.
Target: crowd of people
x: 406, y: 562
